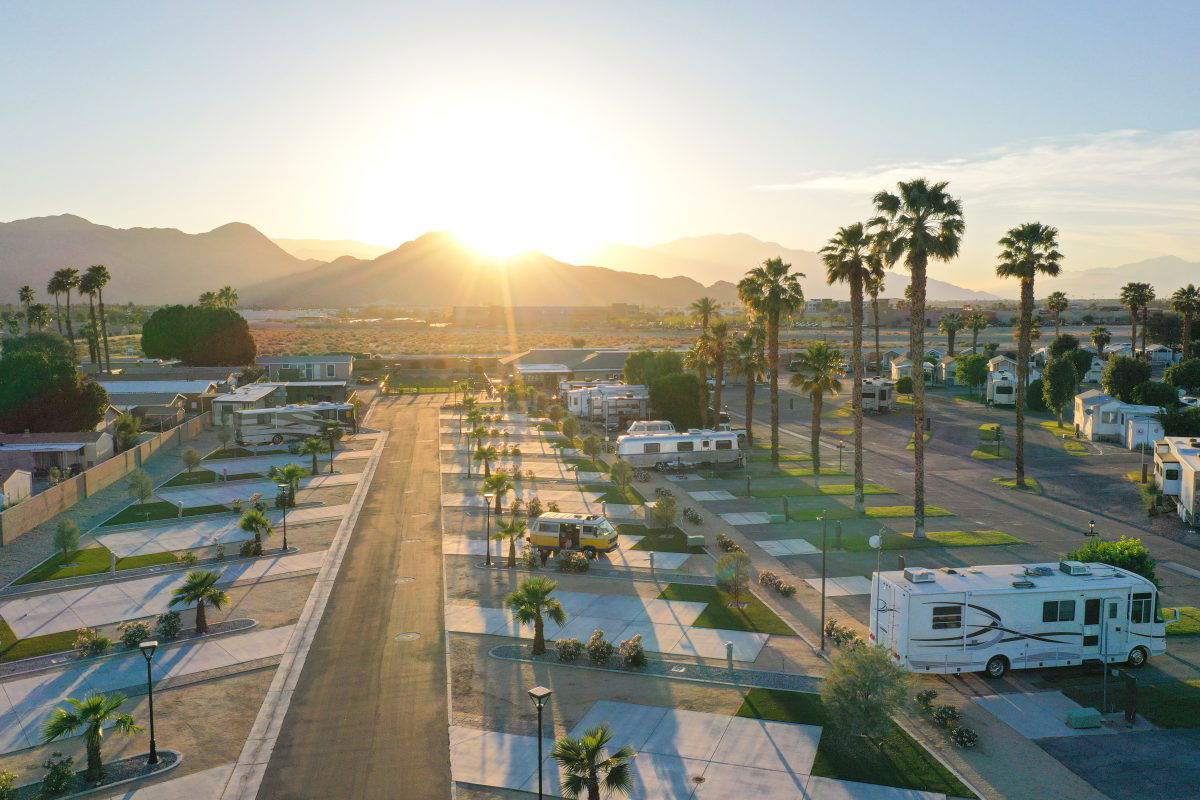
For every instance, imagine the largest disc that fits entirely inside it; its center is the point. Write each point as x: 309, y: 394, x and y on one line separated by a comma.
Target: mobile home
x: 1015, y: 616
x: 289, y: 423
x: 661, y: 450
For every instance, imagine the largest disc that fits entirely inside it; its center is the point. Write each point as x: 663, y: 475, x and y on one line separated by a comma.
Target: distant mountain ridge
x: 330, y: 249
x: 148, y: 265
x: 728, y: 256
x: 1164, y: 273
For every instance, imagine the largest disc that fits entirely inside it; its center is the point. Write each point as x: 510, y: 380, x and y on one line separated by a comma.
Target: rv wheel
x: 277, y: 439
x: 590, y: 552
x: 997, y: 666
x: 1137, y: 657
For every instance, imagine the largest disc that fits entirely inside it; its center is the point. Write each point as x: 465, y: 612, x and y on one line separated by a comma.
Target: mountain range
x: 329, y: 249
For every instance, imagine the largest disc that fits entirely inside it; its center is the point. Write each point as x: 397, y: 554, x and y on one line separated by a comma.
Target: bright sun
x: 505, y: 178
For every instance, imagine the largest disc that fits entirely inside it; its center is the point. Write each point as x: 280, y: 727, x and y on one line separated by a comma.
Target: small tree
x: 256, y: 522
x: 1122, y: 374
x: 588, y: 766
x: 863, y: 689
x: 191, y: 458
x: 971, y: 370
x: 665, y: 509
x: 592, y: 447
x: 1184, y: 375
x: 66, y: 539
x: 224, y: 436
x: 91, y: 714
x: 1156, y: 393
x: 621, y: 473
x: 512, y: 530
x: 313, y: 447
x: 530, y: 602
x: 200, y: 588
x: 1058, y: 386
x: 140, y: 485
x: 733, y: 575
x: 570, y: 428
x: 1125, y: 553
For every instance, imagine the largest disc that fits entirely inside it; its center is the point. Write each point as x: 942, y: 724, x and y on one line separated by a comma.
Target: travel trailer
x: 652, y: 426
x: 878, y: 395
x: 662, y: 450
x: 556, y: 531
x: 1001, y: 389
x: 289, y: 423
x: 1015, y: 616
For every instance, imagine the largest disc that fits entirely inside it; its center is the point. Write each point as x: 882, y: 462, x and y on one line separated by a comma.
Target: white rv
x: 289, y: 423
x: 878, y: 395
x: 1001, y: 389
x: 661, y: 450
x: 1015, y: 616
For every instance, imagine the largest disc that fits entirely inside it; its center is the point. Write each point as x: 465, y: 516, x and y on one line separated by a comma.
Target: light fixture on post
x: 487, y: 539
x: 1091, y: 527
x: 285, y: 494
x: 539, y: 695
x: 148, y: 649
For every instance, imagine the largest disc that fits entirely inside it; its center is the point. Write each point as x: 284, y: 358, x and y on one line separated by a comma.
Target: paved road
x: 369, y: 715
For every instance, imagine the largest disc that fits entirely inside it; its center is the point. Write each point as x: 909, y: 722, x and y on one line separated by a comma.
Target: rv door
x: 1116, y: 630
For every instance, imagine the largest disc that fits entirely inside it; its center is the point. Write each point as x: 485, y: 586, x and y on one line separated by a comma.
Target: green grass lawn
x: 229, y: 452
x: 615, y: 494
x: 755, y: 617
x: 586, y: 464
x: 912, y: 440
x: 906, y: 511
x: 814, y: 514
x: 662, y: 540
x: 987, y: 431
x: 899, y: 760
x: 1168, y: 705
x: 816, y: 491
x: 989, y: 452
x: 90, y: 561
x: 858, y: 543
x: 788, y: 472
x: 14, y: 649
x: 1077, y: 448
x: 142, y: 512
x: 1031, y: 484
x: 1052, y: 426
x: 840, y: 431
x: 782, y: 456
x: 193, y: 478
x: 1189, y: 622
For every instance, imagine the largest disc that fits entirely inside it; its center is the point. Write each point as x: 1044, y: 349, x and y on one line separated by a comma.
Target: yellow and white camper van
x: 557, y: 530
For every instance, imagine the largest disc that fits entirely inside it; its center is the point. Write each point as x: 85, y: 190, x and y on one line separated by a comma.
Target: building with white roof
x: 1099, y: 416
x: 252, y: 395
x: 70, y: 452
x: 1177, y: 474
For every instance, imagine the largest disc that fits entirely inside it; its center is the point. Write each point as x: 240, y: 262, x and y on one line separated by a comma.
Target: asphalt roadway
x: 369, y: 715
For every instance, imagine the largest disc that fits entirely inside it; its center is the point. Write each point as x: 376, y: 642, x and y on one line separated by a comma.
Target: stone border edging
x: 107, y: 786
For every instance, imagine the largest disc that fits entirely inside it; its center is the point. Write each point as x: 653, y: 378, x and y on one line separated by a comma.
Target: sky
x: 562, y: 126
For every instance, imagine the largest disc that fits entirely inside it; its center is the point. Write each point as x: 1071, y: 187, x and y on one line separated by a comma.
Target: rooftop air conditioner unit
x: 1042, y: 571
x: 918, y: 575
x: 1074, y: 568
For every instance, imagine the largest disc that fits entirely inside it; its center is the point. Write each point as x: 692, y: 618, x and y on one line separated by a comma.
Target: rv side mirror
x: 1174, y: 618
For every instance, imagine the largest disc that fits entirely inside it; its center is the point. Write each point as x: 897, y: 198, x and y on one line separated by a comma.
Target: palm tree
x: 976, y: 323
x: 1186, y: 303
x: 588, y: 768
x: 1136, y: 297
x: 697, y: 359
x: 1100, y: 339
x: 28, y: 298
x: 1029, y: 249
x: 486, y: 455
x: 257, y: 523
x: 873, y: 285
x: 207, y: 300
x: 750, y: 363
x: 500, y: 483
x: 55, y: 288
x: 200, y: 588
x: 512, y: 530
x: 950, y: 324
x: 847, y: 258
x: 92, y: 714
x: 718, y: 353
x: 530, y: 602
x: 100, y: 279
x: 12, y: 323
x: 817, y: 371
x: 87, y: 287
x: 919, y: 222
x: 227, y: 297
x: 1056, y: 304
x: 702, y: 311
x: 771, y: 291
x: 312, y: 447
x: 37, y: 316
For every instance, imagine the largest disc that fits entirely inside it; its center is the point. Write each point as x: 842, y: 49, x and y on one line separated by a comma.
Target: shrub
x: 90, y: 643
x: 787, y: 589
x: 633, y: 654
x: 60, y: 775
x: 516, y: 453
x: 189, y: 558
x: 221, y: 552
x: 904, y: 385
x: 692, y: 516
x: 134, y: 633
x: 964, y: 736
x: 769, y: 579
x: 8, y: 780
x: 168, y: 625
x: 599, y: 649
x: 248, y: 548
x: 568, y: 649
x: 660, y: 491
x: 946, y: 716
x: 572, y: 562
x: 534, y: 507
x: 727, y: 544
x: 925, y: 700
x: 840, y: 635
x: 552, y: 506
x: 529, y: 557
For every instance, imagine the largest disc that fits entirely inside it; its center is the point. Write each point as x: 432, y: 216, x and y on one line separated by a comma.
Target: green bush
x: 572, y: 562
x: 1125, y: 553
x: 1156, y: 393
x: 964, y: 736
x: 946, y: 716
x: 168, y: 625
x: 60, y: 775
x: 904, y: 385
x: 599, y: 649
x: 633, y: 654
x: 568, y: 650
x: 8, y: 780
x: 925, y: 700
x: 134, y: 633
x: 90, y: 643
x: 1035, y: 395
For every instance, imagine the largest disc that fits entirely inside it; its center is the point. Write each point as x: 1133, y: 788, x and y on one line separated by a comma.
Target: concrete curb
x: 247, y: 775
x: 107, y: 786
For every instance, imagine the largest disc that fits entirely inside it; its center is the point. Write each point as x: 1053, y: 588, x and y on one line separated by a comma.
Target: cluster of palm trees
x: 225, y: 297
x: 1184, y: 301
x: 62, y: 283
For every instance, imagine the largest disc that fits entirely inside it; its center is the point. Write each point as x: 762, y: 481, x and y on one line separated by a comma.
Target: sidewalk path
x: 25, y: 702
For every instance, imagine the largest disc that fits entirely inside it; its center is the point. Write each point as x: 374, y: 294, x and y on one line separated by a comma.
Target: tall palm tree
x: 1100, y: 339
x: 718, y: 346
x: 588, y: 767
x: 1029, y: 249
x: 207, y: 300
x: 227, y: 297
x: 512, y: 530
x: 976, y: 323
x: 817, y: 370
x: 919, y: 222
x: 499, y: 483
x: 1136, y: 297
x: 55, y: 289
x: 100, y: 279
x: 772, y: 291
x: 697, y: 359
x: 1147, y: 293
x: 873, y: 286
x: 289, y: 474
x: 27, y: 298
x: 87, y: 288
x: 1056, y: 304
x: 486, y: 455
x: 847, y: 258
x: 257, y: 523
x: 1186, y: 303
x: 312, y: 447
x: 701, y: 311
x: 69, y: 278
x: 37, y: 316
x: 200, y: 587
x: 950, y: 324
x: 530, y: 602
x: 750, y: 363
x: 91, y: 714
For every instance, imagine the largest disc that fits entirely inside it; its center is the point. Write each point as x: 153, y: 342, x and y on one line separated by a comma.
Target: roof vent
x: 1023, y: 584
x: 1074, y: 568
x: 918, y: 575
x: 949, y: 570
x: 1039, y: 571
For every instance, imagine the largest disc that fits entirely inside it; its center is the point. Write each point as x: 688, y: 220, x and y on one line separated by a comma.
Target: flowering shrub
x: 727, y: 544
x: 964, y: 736
x: 787, y: 589
x: 134, y: 633
x: 840, y: 635
x: 662, y: 491
x: 600, y: 650
x: 946, y: 716
x: 572, y: 562
x: 90, y: 643
x: 633, y: 653
x: 692, y: 516
x: 769, y: 579
x: 168, y: 625
x: 925, y: 700
x: 568, y: 649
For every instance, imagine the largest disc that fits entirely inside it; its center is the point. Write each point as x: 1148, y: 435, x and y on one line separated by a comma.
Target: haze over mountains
x: 165, y: 265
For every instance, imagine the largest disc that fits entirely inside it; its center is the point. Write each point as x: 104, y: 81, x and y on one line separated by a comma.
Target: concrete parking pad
x: 631, y: 723
x: 769, y: 745
x: 724, y: 781
x: 496, y: 759
x: 747, y: 518
x: 710, y: 643
x: 182, y: 535
x: 1039, y: 715
x: 841, y: 587
x: 716, y: 494
x: 788, y: 547
x: 568, y: 501
x: 220, y: 493
x: 462, y: 546
x: 690, y: 734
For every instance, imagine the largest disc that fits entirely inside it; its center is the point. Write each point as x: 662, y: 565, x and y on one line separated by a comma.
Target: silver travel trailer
x: 1016, y: 616
x: 878, y: 395
x: 289, y: 423
x: 661, y: 450
x: 651, y: 426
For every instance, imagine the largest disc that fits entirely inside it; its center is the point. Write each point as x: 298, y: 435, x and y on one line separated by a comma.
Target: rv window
x: 705, y: 442
x: 1139, y: 608
x: 1173, y: 474
x: 548, y: 527
x: 1091, y: 641
x: 329, y: 370
x: 947, y: 617
x: 685, y: 447
x: 724, y: 444
x: 1058, y: 611
x: 1091, y: 611
x: 651, y: 447
x: 264, y: 419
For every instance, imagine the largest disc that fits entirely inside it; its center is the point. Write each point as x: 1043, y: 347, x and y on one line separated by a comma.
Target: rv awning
x: 542, y: 369
x: 43, y: 448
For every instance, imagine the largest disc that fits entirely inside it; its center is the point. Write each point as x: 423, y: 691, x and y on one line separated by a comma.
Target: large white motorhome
x: 661, y: 450
x: 1016, y: 616
x: 289, y: 423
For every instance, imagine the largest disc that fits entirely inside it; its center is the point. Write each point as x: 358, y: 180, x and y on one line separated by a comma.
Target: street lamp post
x: 285, y: 493
x: 999, y: 439
x: 539, y: 695
x: 148, y: 649
x: 824, y: 550
x: 841, y: 447
x: 1091, y: 527
x: 487, y: 542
